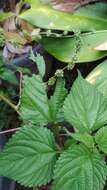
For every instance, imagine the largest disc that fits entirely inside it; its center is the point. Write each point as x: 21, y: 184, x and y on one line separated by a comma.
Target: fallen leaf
x: 14, y: 37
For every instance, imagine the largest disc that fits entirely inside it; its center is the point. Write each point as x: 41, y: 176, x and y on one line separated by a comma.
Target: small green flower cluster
x: 2, y: 38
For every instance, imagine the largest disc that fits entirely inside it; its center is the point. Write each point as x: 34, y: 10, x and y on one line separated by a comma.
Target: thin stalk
x: 9, y: 131
x: 67, y: 132
x: 56, y: 129
x: 7, y: 101
x: 20, y: 89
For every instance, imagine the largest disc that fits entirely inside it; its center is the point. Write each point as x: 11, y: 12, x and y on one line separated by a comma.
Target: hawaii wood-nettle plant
x: 61, y: 138
x: 34, y: 157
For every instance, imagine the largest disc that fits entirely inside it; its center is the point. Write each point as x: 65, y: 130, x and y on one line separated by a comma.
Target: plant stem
x: 9, y: 131
x: 6, y: 100
x: 68, y: 132
x: 20, y: 88
x: 56, y: 129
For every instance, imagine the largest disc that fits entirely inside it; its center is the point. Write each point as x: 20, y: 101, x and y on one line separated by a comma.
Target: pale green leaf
x: 56, y: 101
x: 38, y: 59
x: 85, y: 107
x: 34, y: 102
x: 44, y: 16
x: 79, y: 169
x: 98, y: 77
x: 84, y: 138
x: 101, y: 139
x: 29, y: 157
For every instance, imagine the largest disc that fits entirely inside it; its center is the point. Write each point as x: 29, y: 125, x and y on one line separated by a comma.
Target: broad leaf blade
x: 56, y: 101
x: 79, y: 169
x: 95, y: 11
x: 98, y: 77
x: 29, y: 157
x: 44, y: 16
x: 101, y: 139
x: 67, y: 49
x: 34, y: 101
x: 85, y: 108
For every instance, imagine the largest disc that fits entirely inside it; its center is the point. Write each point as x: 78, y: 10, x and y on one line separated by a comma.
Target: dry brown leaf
x: 14, y: 37
x: 26, y: 26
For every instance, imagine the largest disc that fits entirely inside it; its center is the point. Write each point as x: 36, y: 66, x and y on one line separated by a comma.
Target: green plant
x: 76, y: 33
x: 34, y: 156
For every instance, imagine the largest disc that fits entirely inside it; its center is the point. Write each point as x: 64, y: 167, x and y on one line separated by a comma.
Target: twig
x: 68, y: 132
x: 6, y: 100
x: 9, y: 131
x: 20, y: 89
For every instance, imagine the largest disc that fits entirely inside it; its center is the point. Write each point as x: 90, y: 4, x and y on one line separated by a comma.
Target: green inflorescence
x: 2, y: 38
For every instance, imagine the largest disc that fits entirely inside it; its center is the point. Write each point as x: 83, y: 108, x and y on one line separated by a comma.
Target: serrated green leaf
x: 79, y: 169
x: 44, y: 16
x: 85, y: 107
x: 84, y: 138
x: 98, y: 77
x: 40, y: 63
x: 34, y: 102
x: 29, y: 157
x: 101, y: 139
x: 56, y: 101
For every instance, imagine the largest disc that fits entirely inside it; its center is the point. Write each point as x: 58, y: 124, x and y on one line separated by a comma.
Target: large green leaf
x: 101, y: 139
x: 34, y: 102
x: 79, y: 169
x: 44, y: 16
x: 79, y: 48
x: 96, y: 11
x: 29, y: 157
x: 85, y: 107
x: 98, y: 77
x: 56, y: 101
